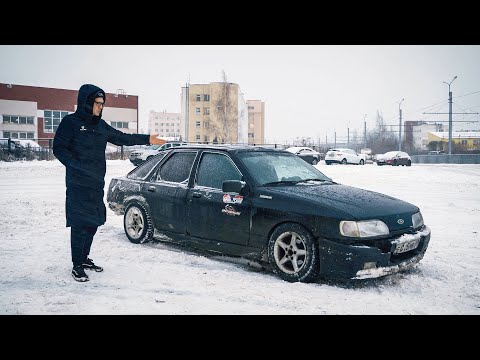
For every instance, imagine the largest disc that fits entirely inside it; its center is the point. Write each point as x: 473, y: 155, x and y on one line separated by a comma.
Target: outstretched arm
x: 120, y: 138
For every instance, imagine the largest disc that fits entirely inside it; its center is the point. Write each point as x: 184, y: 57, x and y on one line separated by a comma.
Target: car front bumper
x: 362, y: 262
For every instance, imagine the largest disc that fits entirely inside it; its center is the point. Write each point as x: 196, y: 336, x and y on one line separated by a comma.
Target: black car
x: 309, y: 155
x: 270, y: 206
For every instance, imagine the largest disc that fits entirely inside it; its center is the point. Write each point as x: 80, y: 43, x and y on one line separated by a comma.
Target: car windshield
x: 271, y: 167
x: 390, y: 154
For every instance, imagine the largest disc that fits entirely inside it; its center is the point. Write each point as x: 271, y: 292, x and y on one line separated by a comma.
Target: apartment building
x: 168, y: 125
x: 256, y: 121
x: 214, y: 112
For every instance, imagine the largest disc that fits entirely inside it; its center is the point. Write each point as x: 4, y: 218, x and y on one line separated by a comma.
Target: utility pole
x: 364, y: 132
x: 450, y: 121
x: 400, y: 127
x: 335, y: 138
x: 348, y: 135
x: 450, y: 117
x: 326, y: 142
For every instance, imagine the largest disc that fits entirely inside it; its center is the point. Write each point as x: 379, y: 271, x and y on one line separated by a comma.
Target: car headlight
x: 417, y: 220
x: 363, y: 229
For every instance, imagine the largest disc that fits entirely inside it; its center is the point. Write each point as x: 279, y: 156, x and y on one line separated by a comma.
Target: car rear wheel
x: 362, y: 162
x: 395, y: 163
x: 293, y: 253
x: 137, y: 224
x: 409, y: 163
x: 344, y: 162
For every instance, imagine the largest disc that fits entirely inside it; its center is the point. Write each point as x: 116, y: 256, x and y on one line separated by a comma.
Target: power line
x: 475, y: 92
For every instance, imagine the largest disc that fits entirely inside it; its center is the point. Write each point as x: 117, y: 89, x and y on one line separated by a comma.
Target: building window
x: 18, y: 135
x: 52, y: 120
x: 206, y: 97
x: 251, y: 107
x: 206, y: 111
x: 197, y: 111
x: 197, y: 137
x: 250, y: 135
x: 120, y: 124
x: 198, y: 97
x: 172, y: 124
x: 197, y: 124
x: 476, y: 142
x: 464, y: 142
x: 205, y: 124
x: 17, y: 119
x: 206, y: 138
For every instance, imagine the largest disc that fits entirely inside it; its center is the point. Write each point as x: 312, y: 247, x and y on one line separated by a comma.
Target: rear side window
x: 142, y: 170
x: 177, y: 167
x: 214, y: 169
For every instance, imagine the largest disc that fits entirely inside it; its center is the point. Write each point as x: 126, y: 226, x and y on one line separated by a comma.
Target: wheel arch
x: 142, y: 201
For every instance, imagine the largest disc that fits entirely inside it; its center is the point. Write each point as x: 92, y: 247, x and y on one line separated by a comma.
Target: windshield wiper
x: 285, y: 182
x: 315, y: 179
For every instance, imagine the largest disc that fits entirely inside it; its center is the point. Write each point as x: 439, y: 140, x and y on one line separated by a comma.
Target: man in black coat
x: 79, y: 144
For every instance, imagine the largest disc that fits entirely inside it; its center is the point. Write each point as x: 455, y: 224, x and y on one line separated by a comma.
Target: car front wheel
x: 137, y: 224
x: 362, y: 162
x: 293, y: 253
x: 314, y: 162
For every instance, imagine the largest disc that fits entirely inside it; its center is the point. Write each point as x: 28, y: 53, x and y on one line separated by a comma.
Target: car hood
x: 359, y: 203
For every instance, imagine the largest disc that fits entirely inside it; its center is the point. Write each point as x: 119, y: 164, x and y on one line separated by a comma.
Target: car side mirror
x: 232, y: 186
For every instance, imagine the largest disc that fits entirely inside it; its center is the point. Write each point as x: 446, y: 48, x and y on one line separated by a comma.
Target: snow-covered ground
x: 161, y: 278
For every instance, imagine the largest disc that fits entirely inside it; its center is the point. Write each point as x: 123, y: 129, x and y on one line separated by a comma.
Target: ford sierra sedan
x: 270, y: 206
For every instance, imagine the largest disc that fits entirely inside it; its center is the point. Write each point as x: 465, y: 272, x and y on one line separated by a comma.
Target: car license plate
x: 407, y: 246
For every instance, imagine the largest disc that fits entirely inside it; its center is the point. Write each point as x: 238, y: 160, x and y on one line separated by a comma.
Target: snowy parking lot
x: 161, y: 278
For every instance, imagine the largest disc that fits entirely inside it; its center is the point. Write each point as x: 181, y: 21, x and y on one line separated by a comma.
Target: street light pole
x: 400, y: 126
x: 348, y: 134
x: 450, y: 116
x: 364, y: 132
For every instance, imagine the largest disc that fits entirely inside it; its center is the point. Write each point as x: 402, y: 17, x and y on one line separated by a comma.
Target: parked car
x: 436, y: 152
x: 344, y: 156
x: 270, y: 206
x: 394, y: 158
x: 139, y: 156
x: 308, y: 154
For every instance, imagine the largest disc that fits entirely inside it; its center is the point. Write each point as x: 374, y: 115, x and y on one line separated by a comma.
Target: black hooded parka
x: 79, y: 144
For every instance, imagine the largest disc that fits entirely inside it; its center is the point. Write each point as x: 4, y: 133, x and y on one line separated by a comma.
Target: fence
x: 446, y: 159
x: 42, y: 149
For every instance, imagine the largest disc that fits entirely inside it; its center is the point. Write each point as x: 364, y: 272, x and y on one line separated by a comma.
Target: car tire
x: 297, y: 262
x: 314, y: 162
x: 362, y: 162
x: 344, y: 162
x: 395, y: 163
x: 409, y: 163
x: 137, y: 224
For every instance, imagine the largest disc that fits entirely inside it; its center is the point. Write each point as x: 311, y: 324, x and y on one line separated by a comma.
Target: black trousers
x: 81, y: 238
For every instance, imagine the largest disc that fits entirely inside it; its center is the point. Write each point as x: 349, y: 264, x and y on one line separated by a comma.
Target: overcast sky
x: 309, y: 90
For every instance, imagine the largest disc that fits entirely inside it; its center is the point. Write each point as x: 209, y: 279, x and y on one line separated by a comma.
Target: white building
x: 168, y: 125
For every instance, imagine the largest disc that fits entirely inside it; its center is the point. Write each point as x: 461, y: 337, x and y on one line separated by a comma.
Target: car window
x: 141, y: 171
x: 214, y: 169
x: 177, y: 167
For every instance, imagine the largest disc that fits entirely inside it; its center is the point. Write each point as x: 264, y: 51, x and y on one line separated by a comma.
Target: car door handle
x: 151, y: 188
x: 197, y: 195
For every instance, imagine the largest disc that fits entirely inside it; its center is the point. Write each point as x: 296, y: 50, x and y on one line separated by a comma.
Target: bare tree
x: 225, y: 122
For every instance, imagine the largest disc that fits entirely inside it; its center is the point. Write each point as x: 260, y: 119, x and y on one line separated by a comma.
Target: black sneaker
x: 79, y: 274
x: 89, y: 265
